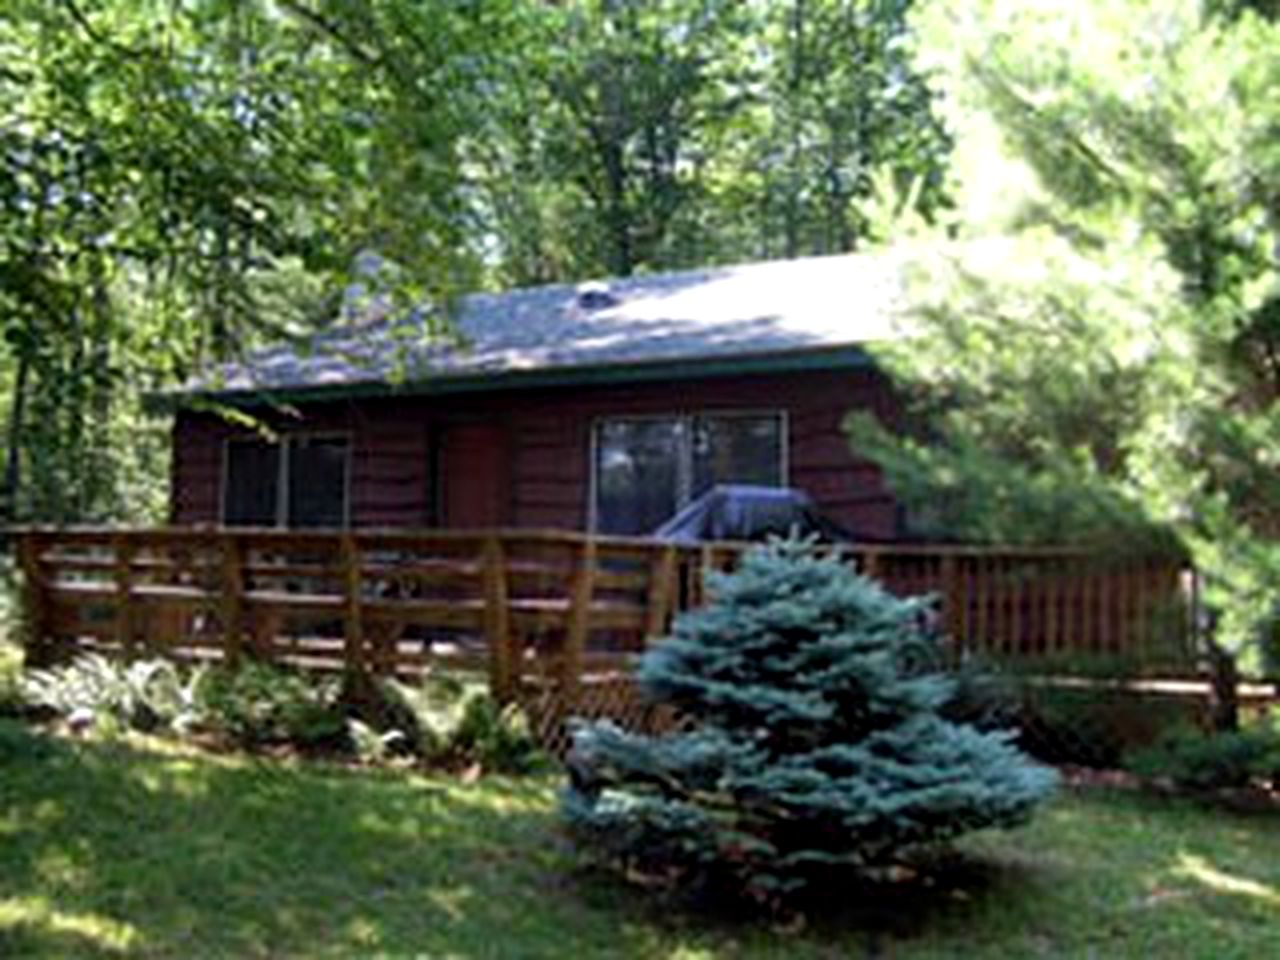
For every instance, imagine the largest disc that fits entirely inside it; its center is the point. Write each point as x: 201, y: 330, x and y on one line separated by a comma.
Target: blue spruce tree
x: 815, y: 742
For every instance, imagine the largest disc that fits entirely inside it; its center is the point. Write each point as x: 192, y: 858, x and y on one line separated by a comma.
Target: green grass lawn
x: 140, y: 849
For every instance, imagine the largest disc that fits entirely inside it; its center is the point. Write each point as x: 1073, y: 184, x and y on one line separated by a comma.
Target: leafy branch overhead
x: 182, y: 182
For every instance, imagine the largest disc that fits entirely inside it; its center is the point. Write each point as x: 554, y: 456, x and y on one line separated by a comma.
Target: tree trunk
x: 1224, y: 689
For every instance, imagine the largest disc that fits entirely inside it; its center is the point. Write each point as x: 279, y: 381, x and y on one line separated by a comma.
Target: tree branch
x: 333, y: 30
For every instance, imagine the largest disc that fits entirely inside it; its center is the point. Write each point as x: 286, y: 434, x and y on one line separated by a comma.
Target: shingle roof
x: 770, y: 309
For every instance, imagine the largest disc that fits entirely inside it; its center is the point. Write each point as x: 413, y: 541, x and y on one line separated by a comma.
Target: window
x: 251, y: 496
x: 298, y: 482
x: 317, y: 473
x: 637, y: 473
x: 646, y: 469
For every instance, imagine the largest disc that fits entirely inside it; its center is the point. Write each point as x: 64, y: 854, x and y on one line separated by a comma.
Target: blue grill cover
x: 738, y: 512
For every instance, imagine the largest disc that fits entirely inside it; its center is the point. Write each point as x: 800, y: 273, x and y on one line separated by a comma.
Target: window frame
x: 284, y: 441
x: 684, y: 465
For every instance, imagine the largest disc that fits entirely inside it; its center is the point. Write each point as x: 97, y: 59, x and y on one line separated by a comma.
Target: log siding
x: 397, y: 473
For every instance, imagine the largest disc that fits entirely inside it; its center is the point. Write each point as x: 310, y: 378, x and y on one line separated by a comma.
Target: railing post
x: 662, y: 582
x: 707, y: 563
x: 39, y: 645
x: 579, y: 624
x: 353, y: 621
x: 124, y: 548
x: 232, y: 597
x: 871, y: 564
x: 497, y: 619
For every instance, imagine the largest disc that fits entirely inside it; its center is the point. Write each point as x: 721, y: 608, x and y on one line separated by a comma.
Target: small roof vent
x: 595, y: 295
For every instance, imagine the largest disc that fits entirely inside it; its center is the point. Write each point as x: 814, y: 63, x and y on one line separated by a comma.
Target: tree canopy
x: 1096, y: 326
x: 180, y: 182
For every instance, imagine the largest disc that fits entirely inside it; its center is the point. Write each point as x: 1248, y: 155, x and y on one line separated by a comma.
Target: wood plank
x: 662, y: 584
x: 352, y: 619
x: 34, y: 602
x: 497, y: 621
x: 579, y: 625
x: 232, y: 607
x: 124, y: 549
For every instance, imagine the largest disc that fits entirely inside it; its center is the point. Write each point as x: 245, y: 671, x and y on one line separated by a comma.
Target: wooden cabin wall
x: 545, y: 434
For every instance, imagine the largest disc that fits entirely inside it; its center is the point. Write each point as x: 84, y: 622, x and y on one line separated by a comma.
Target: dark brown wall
x: 547, y: 435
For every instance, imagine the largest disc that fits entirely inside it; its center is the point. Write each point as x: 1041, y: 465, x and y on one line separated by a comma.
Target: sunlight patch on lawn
x: 62, y: 867
x: 38, y: 914
x: 365, y: 932
x: 452, y: 902
x: 1200, y: 870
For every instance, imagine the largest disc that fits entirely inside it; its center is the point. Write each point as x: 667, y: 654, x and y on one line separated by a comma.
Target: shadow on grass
x: 108, y: 848
x: 120, y: 849
x: 113, y: 848
x: 847, y: 911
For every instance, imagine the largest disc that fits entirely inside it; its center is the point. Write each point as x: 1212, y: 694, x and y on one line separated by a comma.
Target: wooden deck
x: 527, y: 605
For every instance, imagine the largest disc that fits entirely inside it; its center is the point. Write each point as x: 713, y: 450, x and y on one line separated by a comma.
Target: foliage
x: 1094, y: 329
x: 625, y: 137
x: 442, y: 722
x: 818, y: 742
x: 255, y: 704
x: 19, y: 745
x: 182, y: 181
x: 1094, y: 727
x: 11, y: 698
x: 1198, y: 761
x: 446, y: 721
x: 252, y: 705
x: 96, y: 691
x: 983, y: 695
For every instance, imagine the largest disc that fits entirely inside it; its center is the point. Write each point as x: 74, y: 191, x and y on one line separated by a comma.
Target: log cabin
x: 604, y: 406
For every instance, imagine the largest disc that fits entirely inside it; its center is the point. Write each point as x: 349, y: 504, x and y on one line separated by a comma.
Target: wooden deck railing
x: 535, y: 609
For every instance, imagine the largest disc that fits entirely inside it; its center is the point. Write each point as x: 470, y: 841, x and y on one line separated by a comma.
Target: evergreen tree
x: 1096, y: 329
x: 818, y: 741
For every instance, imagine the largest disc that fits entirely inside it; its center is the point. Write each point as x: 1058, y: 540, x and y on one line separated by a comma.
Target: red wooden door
x: 475, y: 486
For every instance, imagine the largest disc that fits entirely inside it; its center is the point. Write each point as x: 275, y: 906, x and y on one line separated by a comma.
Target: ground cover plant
x: 816, y: 742
x: 441, y: 721
x: 1195, y: 760
x: 148, y: 848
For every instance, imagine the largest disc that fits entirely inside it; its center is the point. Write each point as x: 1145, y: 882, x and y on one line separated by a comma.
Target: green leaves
x: 1094, y: 324
x: 180, y: 183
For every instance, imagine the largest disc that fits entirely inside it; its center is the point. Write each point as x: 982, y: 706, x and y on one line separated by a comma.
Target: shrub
x: 819, y: 745
x: 447, y: 721
x: 256, y: 704
x: 1095, y: 727
x: 92, y: 690
x: 983, y: 696
x: 1195, y: 760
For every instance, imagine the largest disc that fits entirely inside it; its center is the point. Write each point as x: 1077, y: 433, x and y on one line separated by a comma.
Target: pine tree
x: 817, y: 742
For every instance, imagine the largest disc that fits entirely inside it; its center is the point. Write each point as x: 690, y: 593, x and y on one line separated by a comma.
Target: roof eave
x: 845, y: 357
